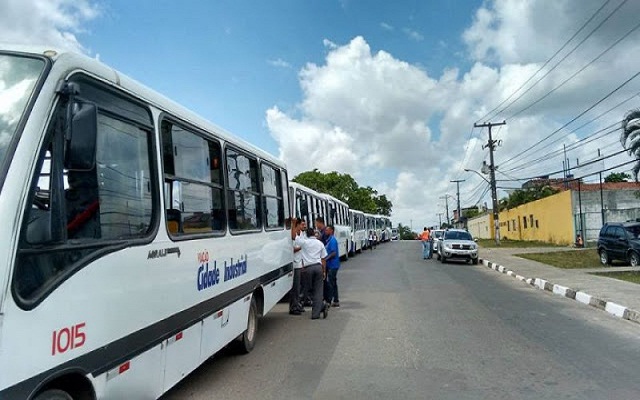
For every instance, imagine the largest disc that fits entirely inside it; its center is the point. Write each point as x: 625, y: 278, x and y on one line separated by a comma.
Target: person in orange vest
x: 426, y: 243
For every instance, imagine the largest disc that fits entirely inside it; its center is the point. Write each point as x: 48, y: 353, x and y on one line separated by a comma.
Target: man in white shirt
x: 298, y: 237
x: 314, y: 257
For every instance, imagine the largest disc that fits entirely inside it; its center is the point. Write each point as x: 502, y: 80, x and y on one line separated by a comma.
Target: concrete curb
x: 612, y: 308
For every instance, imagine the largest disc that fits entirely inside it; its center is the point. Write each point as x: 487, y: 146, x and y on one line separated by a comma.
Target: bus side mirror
x: 81, y: 135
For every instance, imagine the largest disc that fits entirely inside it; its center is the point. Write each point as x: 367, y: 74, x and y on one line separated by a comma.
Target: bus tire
x: 53, y: 394
x: 247, y: 340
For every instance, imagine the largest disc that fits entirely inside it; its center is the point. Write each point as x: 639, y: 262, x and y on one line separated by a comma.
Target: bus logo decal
x: 159, y: 253
x: 234, y: 270
x: 206, y: 277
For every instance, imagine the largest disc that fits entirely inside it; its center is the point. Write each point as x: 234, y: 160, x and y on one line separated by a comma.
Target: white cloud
x: 414, y: 35
x: 329, y: 44
x: 280, y: 63
x: 53, y: 22
x: 406, y: 133
x: 386, y: 26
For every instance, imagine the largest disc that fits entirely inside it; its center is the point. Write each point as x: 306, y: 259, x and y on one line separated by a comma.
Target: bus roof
x: 303, y: 188
x: 70, y: 61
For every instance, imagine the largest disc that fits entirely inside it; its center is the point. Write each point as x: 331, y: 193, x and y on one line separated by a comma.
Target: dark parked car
x: 620, y: 241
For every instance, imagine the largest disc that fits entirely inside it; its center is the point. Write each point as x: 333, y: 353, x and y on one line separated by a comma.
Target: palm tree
x: 630, y: 137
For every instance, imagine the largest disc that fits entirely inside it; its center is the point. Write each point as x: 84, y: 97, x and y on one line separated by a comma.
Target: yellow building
x: 547, y: 220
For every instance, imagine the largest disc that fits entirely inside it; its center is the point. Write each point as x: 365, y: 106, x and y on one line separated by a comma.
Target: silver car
x: 457, y: 244
x: 436, y: 236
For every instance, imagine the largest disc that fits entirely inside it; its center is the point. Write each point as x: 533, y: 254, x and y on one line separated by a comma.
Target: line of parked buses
x: 352, y: 227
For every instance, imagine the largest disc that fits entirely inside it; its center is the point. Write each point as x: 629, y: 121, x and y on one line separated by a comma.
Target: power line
x: 541, y: 171
x: 467, y: 153
x: 563, y: 58
x: 582, y: 142
x: 559, y: 171
x: 548, y: 61
x: 589, y: 122
x: 475, y: 191
x: 577, y: 117
x: 507, y: 175
x: 576, y: 73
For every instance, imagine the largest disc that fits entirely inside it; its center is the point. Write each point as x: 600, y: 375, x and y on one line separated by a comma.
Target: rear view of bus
x: 138, y: 239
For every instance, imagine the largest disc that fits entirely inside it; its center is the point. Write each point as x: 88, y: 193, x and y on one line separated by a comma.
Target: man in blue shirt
x: 333, y: 265
x: 320, y: 226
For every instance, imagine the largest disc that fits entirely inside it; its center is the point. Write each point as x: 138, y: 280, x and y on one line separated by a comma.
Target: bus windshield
x: 18, y: 78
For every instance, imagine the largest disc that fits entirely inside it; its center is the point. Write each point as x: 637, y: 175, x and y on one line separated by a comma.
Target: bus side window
x: 243, y: 194
x: 273, y: 202
x: 193, y: 182
x: 75, y: 213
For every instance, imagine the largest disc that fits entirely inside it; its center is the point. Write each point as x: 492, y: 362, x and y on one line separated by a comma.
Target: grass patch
x: 570, y: 259
x: 629, y: 276
x: 490, y: 243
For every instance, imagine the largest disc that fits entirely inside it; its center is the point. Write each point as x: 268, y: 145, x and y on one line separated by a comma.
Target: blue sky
x: 386, y: 91
x: 232, y: 60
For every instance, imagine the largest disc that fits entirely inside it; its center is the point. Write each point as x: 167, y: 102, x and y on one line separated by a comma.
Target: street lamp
x: 477, y: 173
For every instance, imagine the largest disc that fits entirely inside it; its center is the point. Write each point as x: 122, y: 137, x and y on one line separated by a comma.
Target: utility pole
x: 601, y: 195
x: 446, y: 204
x: 440, y: 220
x: 492, y: 144
x: 457, y: 182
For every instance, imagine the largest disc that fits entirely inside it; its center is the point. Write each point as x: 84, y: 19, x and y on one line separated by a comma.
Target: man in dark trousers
x: 314, y: 260
x: 333, y: 265
x: 297, y: 236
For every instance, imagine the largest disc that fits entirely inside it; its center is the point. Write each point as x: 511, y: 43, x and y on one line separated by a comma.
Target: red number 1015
x: 68, y: 338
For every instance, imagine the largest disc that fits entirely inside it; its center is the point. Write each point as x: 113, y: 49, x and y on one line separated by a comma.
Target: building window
x: 531, y: 220
x: 537, y: 226
x: 524, y: 220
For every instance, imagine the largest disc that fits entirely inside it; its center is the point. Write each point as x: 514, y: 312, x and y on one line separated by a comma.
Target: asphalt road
x: 415, y: 329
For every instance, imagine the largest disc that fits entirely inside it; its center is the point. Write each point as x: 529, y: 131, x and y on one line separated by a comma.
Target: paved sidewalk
x: 612, y: 295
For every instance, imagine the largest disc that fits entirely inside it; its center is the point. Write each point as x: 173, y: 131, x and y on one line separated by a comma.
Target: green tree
x: 617, y: 177
x: 470, y: 213
x: 630, y: 139
x: 345, y: 188
x: 405, y: 232
x: 523, y: 196
x: 383, y: 205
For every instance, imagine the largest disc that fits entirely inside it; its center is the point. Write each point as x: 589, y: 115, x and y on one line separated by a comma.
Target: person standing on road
x: 295, y: 305
x: 321, y: 227
x: 314, y: 260
x: 425, y: 237
x: 333, y: 265
x: 371, y: 240
x: 305, y: 279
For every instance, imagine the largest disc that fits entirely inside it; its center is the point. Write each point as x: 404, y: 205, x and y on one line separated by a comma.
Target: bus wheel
x: 53, y: 394
x: 247, y: 340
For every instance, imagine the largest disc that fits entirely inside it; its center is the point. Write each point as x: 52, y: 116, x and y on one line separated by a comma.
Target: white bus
x: 339, y: 218
x: 138, y: 239
x: 386, y: 229
x: 308, y: 204
x: 370, y: 226
x: 358, y: 230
